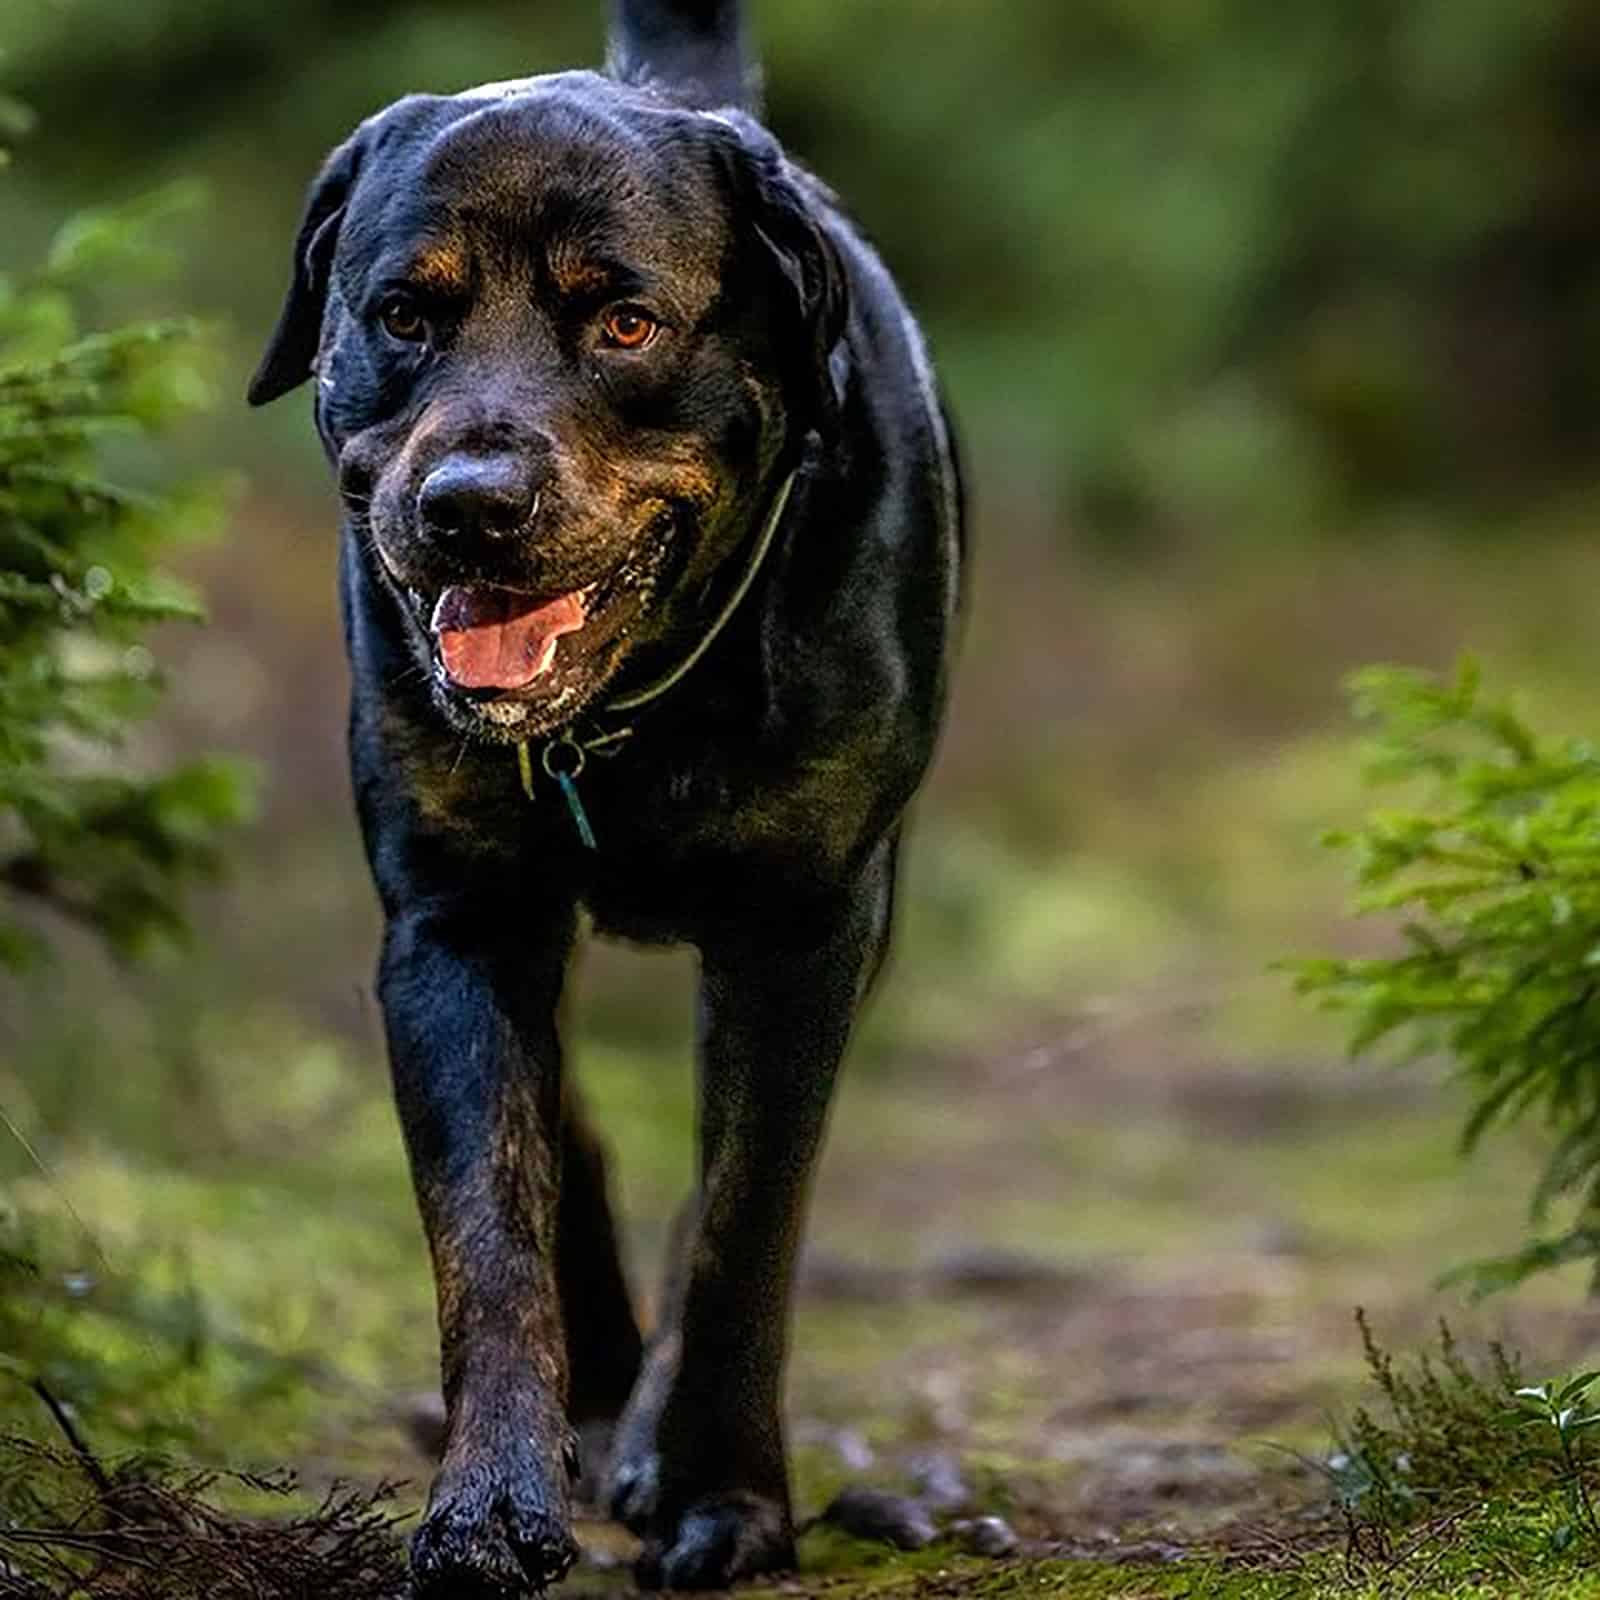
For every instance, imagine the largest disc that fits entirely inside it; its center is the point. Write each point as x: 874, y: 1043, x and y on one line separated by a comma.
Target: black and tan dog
x: 650, y: 568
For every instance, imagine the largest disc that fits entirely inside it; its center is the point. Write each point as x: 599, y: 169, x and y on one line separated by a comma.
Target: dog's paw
x: 492, y: 1531
x: 718, y: 1541
x: 632, y: 1481
x: 632, y: 1488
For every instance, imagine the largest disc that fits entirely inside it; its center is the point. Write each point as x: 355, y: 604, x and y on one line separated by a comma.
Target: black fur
x: 754, y: 810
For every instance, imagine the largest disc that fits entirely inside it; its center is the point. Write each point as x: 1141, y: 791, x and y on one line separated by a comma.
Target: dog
x: 650, y: 571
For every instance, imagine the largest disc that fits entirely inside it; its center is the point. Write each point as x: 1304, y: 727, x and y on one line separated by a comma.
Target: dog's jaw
x: 620, y: 611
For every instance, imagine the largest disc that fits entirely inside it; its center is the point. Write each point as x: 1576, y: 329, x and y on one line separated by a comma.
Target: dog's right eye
x: 401, y: 319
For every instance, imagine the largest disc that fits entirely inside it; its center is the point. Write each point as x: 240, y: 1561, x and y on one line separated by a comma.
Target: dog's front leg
x: 469, y: 1001
x: 701, y: 1467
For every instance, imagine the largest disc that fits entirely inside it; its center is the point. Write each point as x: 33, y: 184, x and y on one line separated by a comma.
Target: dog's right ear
x: 293, y: 346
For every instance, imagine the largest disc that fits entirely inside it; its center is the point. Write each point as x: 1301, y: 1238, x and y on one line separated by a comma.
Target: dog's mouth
x: 492, y: 639
x: 512, y: 662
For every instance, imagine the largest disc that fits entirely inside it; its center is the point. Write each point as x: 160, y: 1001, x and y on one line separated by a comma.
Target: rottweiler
x: 650, y: 570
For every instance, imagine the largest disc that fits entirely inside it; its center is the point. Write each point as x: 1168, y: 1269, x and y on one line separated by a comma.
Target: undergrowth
x: 1436, y: 1431
x: 1495, y: 873
x: 145, y: 1529
x: 1454, y: 1476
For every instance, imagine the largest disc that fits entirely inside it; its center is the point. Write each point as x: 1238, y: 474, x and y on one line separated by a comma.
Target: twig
x: 1439, y: 1529
x: 50, y: 1178
x: 86, y: 1457
x: 91, y: 1544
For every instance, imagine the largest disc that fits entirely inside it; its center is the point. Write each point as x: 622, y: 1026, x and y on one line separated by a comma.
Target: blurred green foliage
x: 87, y: 829
x: 79, y: 589
x: 91, y: 827
x: 1207, y: 266
x: 1498, y: 874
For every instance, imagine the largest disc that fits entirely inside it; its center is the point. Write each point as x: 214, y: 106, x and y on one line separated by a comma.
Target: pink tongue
x: 492, y: 638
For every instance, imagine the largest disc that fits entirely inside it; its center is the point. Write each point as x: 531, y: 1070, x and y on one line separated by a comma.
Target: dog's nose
x: 478, y: 496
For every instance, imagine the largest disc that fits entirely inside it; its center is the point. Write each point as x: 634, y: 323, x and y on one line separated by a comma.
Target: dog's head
x: 561, y: 332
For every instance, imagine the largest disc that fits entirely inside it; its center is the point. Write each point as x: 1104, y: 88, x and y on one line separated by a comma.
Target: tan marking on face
x: 441, y: 268
x: 573, y: 272
x: 664, y: 470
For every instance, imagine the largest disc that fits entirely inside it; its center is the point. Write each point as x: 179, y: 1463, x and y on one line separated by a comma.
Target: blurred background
x: 1272, y: 333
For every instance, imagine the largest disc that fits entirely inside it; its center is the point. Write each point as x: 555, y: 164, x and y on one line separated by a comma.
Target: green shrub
x: 81, y: 830
x: 91, y: 829
x: 1497, y: 877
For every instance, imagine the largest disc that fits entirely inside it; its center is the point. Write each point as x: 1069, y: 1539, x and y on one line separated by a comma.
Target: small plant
x: 1469, y: 1459
x: 1562, y: 1413
x: 1497, y: 877
x: 1436, y: 1434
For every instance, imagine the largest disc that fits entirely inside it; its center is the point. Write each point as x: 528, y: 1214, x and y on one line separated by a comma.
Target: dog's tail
x: 693, y: 49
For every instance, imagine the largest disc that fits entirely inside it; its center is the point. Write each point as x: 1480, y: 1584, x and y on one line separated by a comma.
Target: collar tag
x: 563, y: 760
x: 580, y: 817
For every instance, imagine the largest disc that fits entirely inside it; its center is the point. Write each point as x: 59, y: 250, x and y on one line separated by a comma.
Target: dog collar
x: 564, y: 755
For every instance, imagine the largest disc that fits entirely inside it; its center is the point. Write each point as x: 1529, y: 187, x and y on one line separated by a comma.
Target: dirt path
x: 1101, y: 1284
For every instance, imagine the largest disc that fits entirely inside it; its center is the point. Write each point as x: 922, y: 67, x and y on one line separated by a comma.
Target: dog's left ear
x: 293, y: 346
x: 805, y: 262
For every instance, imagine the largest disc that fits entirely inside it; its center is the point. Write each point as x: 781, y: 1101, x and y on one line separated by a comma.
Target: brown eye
x: 629, y: 328
x: 400, y: 318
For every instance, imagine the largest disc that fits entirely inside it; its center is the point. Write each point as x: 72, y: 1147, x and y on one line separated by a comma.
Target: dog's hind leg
x: 602, y: 1333
x: 700, y: 1469
x: 632, y: 1482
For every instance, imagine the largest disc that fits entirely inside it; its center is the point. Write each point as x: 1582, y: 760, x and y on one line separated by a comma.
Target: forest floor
x: 1098, y: 1282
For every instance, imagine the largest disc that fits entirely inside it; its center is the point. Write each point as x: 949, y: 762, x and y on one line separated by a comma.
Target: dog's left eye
x: 628, y: 328
x: 401, y: 319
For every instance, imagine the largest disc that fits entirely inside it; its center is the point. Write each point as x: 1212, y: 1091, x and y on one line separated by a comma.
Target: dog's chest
x: 704, y: 845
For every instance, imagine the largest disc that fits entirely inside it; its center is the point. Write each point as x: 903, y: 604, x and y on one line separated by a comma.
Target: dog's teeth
x: 506, y: 712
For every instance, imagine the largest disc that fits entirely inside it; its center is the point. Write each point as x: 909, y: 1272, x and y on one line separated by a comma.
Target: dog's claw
x: 717, y: 1542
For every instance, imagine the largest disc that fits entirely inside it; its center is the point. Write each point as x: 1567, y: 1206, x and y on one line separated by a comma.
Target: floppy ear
x: 803, y: 257
x: 293, y: 346
x: 806, y: 259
